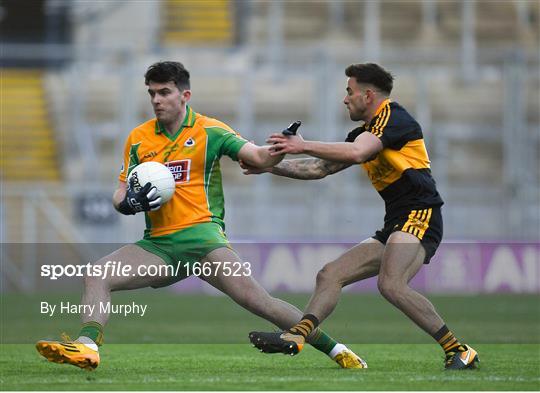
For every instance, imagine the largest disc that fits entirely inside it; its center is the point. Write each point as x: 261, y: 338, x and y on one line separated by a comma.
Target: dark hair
x: 168, y: 71
x: 372, y: 74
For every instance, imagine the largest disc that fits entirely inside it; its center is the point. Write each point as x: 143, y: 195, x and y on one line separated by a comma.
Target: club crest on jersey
x: 180, y: 170
x: 189, y: 143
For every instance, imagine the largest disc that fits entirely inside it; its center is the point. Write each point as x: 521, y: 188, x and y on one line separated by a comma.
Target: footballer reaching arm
x: 364, y: 147
x: 301, y: 168
x: 307, y: 168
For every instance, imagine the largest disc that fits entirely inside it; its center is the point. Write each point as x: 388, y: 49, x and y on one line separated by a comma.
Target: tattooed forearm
x: 302, y: 168
x: 307, y: 168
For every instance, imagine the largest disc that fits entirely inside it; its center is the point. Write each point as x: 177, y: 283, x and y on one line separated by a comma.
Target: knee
x: 392, y: 290
x: 326, y: 275
x: 93, y: 280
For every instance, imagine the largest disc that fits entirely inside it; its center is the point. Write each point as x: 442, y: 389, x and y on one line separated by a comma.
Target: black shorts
x: 426, y: 224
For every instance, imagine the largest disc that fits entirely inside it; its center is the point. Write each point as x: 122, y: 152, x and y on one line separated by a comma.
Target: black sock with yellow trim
x: 308, y: 323
x: 447, y: 340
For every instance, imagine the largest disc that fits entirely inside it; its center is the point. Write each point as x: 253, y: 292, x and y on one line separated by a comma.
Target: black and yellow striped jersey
x: 401, y: 171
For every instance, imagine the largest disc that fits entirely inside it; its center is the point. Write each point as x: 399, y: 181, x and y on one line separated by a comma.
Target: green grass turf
x: 196, y: 342
x: 192, y: 319
x: 240, y: 367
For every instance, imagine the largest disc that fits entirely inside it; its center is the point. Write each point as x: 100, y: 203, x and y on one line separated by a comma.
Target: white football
x: 156, y: 173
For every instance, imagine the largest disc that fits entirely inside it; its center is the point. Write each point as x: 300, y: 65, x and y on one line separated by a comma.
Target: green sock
x: 322, y: 341
x: 92, y: 330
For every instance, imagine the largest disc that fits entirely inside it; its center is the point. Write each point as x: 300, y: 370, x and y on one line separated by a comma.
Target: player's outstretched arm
x: 301, y: 168
x: 307, y: 168
x: 258, y: 156
x: 361, y: 150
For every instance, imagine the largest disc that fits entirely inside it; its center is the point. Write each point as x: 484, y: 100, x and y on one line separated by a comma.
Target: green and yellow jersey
x: 192, y: 155
x: 401, y: 171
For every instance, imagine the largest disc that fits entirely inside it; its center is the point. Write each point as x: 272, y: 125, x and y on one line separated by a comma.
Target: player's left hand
x: 283, y: 144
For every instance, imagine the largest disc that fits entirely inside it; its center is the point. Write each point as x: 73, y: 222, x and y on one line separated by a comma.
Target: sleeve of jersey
x: 230, y: 141
x: 351, y: 136
x: 125, y: 161
x: 130, y: 159
x: 391, y: 130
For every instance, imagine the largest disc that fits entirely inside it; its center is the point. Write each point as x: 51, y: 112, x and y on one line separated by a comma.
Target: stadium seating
x: 496, y: 24
x: 463, y: 118
x: 190, y: 22
x: 28, y: 143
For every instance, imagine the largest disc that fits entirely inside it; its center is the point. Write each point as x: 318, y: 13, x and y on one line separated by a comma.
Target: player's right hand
x: 142, y: 200
x: 251, y: 170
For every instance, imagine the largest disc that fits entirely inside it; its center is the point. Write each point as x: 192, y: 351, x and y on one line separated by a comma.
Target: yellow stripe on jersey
x: 375, y: 128
x: 381, y: 122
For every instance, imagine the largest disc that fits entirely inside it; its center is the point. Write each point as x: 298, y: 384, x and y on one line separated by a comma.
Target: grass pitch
x: 200, y: 343
x: 239, y: 367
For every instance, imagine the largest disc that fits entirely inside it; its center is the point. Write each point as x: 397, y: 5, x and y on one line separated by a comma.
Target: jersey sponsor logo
x: 190, y: 142
x: 180, y: 170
